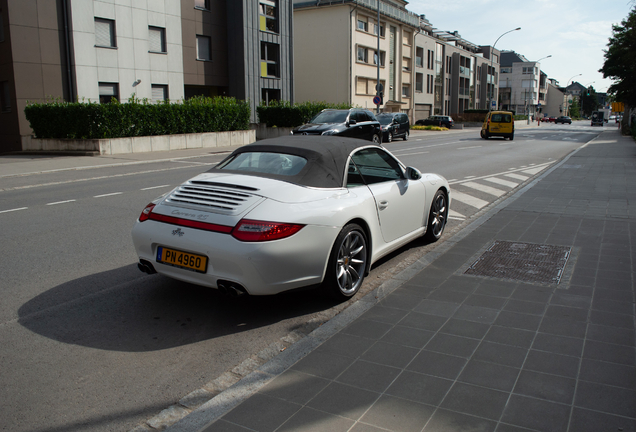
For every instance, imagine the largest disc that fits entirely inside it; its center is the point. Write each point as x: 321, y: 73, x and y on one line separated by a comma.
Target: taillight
x: 145, y: 214
x: 259, y: 231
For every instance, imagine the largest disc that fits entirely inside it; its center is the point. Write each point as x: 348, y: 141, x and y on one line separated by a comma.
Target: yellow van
x: 499, y: 123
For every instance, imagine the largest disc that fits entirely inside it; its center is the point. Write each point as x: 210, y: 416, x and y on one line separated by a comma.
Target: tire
x: 389, y: 137
x: 347, y: 265
x: 376, y: 139
x: 437, y: 216
x: 512, y: 136
x: 406, y: 136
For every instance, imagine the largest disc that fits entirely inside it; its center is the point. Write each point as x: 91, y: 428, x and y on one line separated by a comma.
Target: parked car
x: 352, y: 123
x: 436, y: 120
x: 563, y: 119
x: 394, y: 125
x: 290, y: 212
x: 549, y: 119
x: 499, y: 123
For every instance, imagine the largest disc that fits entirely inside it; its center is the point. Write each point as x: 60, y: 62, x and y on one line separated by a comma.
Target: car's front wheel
x: 406, y: 135
x: 389, y: 137
x: 437, y: 216
x: 376, y: 139
x: 347, y: 263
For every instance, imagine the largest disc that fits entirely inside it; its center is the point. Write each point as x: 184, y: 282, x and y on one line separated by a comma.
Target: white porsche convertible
x: 290, y: 212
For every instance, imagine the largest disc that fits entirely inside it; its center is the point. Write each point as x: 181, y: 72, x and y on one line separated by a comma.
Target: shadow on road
x: 147, y: 313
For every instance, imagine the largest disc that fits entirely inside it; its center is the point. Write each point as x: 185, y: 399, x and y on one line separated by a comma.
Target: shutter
x: 107, y: 90
x: 103, y: 33
x: 159, y: 93
x: 203, y: 48
x: 154, y: 39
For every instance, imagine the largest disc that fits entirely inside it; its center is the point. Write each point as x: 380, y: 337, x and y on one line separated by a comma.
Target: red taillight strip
x: 190, y: 223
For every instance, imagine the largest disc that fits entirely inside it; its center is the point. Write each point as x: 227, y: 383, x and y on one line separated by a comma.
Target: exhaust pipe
x: 146, y: 267
x: 231, y: 289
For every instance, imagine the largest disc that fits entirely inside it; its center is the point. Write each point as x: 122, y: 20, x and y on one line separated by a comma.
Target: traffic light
x: 589, y: 89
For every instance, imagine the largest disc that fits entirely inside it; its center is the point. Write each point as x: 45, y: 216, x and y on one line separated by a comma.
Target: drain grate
x: 526, y: 262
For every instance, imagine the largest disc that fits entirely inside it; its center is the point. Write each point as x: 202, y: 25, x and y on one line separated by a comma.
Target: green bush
x: 286, y: 114
x: 79, y: 120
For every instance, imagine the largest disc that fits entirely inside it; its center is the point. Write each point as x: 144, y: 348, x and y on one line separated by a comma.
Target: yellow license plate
x: 198, y: 263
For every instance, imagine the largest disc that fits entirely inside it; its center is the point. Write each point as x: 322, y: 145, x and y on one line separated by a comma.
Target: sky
x: 574, y: 33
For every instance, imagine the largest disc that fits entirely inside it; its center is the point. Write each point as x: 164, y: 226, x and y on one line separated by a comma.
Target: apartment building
x: 523, y: 86
x: 336, y: 52
x: 451, y: 73
x: 97, y: 50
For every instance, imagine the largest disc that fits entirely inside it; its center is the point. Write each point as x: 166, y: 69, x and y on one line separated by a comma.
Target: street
x: 90, y: 343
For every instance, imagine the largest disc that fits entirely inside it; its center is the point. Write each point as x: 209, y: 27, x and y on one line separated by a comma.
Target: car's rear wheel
x: 406, y: 135
x: 376, y: 139
x: 437, y: 216
x: 512, y: 136
x: 347, y: 263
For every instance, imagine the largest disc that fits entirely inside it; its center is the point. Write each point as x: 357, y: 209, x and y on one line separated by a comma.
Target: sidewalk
x: 451, y: 345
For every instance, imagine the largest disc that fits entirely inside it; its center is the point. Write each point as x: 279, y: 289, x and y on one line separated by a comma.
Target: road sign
x: 493, y: 104
x: 377, y: 100
x: 379, y: 89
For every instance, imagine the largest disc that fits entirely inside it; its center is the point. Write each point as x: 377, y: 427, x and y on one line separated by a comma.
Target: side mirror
x: 413, y: 173
x: 351, y: 122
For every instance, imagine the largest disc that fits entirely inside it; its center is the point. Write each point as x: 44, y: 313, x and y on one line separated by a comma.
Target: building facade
x: 336, y: 53
x: 523, y: 85
x: 97, y: 50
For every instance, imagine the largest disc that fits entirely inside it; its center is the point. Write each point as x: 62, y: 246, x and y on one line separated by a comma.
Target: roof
x: 326, y: 158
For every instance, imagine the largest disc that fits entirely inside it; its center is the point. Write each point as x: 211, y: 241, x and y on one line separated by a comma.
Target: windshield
x: 265, y: 163
x: 331, y: 117
x: 385, y: 119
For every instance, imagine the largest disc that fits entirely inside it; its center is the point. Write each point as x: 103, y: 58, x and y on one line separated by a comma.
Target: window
x: 5, y: 97
x: 269, y: 60
x: 105, y: 33
x: 406, y: 64
x: 265, y: 163
x: 527, y: 70
x: 269, y: 95
x: 419, y: 57
x: 506, y: 70
x: 362, y: 55
x: 430, y: 59
x: 406, y: 90
x: 157, y: 39
x: 268, y: 16
x: 363, y: 24
x: 406, y: 38
x: 202, y: 4
x: 203, y: 48
x: 159, y: 93
x: 366, y: 86
x: 419, y: 82
x: 108, y: 92
x: 373, y: 165
x: 375, y: 30
x: 375, y: 58
x: 528, y: 83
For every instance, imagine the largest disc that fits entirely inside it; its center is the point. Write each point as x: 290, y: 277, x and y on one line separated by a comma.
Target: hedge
x: 79, y: 120
x: 286, y: 114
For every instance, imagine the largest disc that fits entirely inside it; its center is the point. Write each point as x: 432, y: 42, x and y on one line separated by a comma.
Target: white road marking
x: 61, y: 202
x: 502, y: 182
x: 534, y: 171
x: 12, y: 210
x: 517, y: 176
x: 469, y: 200
x: 408, y: 154
x: 465, y: 148
x: 107, y: 195
x: 452, y: 214
x: 485, y: 189
x: 469, y: 177
x: 155, y: 187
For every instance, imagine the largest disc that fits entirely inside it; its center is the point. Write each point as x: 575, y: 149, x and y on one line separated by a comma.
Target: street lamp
x: 543, y: 58
x: 490, y: 94
x: 567, y: 105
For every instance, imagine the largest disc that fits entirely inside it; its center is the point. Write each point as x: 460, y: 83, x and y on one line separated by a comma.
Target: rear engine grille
x: 211, y: 199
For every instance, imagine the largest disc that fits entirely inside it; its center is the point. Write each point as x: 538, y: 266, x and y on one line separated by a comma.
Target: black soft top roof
x: 326, y: 158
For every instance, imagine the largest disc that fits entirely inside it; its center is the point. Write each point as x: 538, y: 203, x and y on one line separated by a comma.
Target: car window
x: 385, y: 119
x: 265, y: 163
x: 501, y: 118
x: 376, y: 166
x: 331, y: 117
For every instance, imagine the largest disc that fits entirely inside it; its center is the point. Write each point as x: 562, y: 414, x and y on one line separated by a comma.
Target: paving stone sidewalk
x: 482, y: 338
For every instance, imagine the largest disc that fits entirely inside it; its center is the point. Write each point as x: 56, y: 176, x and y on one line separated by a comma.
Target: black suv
x: 353, y: 123
x: 436, y: 120
x: 394, y: 125
x: 563, y: 119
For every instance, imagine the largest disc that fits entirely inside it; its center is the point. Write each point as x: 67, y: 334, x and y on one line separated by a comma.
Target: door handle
x: 383, y: 204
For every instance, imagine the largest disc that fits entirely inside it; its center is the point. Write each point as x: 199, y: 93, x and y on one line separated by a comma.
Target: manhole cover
x: 526, y: 262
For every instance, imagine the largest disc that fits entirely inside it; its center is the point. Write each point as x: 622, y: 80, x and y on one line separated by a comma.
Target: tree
x: 574, y: 108
x: 620, y: 60
x: 589, y: 101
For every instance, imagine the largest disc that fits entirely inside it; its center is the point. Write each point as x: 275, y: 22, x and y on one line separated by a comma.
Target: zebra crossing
x: 474, y: 193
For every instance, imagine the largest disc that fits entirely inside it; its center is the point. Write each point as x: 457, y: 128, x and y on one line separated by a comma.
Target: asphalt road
x: 90, y: 343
